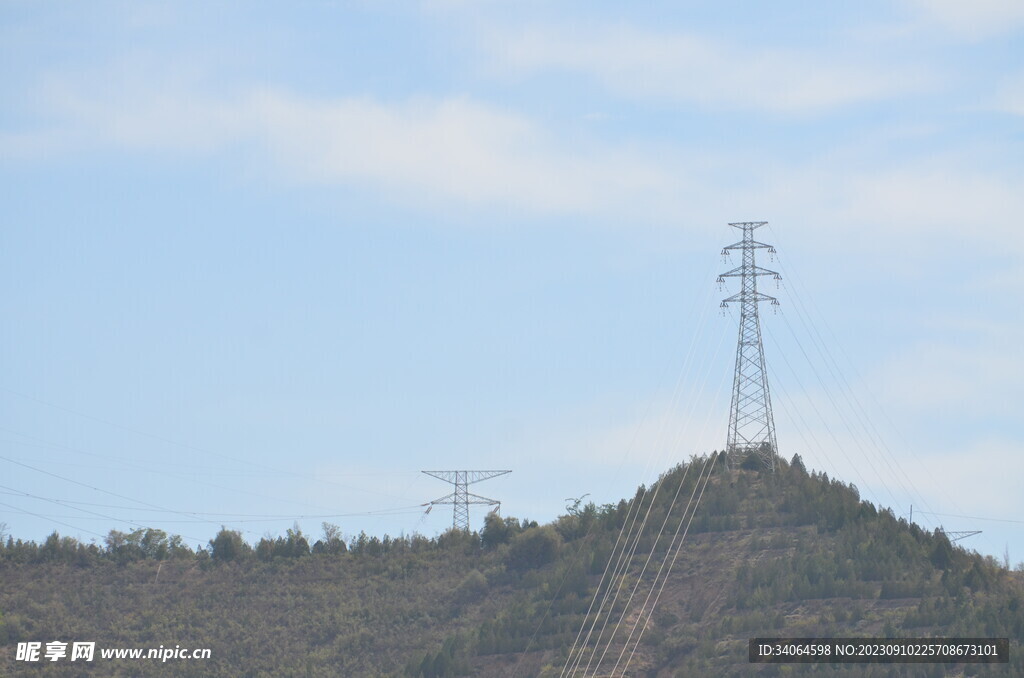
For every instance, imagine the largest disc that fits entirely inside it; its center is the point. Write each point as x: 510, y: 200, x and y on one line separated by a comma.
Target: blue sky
x: 274, y: 262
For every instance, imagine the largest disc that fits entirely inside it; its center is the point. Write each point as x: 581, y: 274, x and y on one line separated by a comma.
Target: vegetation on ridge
x: 789, y: 553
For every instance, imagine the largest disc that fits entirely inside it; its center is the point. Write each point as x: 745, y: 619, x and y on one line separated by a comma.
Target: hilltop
x: 788, y: 553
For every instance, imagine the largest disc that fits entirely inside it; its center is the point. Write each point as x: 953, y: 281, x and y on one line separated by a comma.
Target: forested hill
x: 767, y: 554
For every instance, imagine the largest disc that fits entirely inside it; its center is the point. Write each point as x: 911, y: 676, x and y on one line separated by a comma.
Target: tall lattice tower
x: 461, y: 498
x: 751, y: 426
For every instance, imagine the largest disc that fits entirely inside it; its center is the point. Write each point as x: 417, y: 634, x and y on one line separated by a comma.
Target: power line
x: 193, y: 448
x: 207, y: 517
x: 622, y: 557
x: 993, y: 520
x: 95, y: 514
x: 713, y: 458
x: 37, y: 515
x: 177, y: 472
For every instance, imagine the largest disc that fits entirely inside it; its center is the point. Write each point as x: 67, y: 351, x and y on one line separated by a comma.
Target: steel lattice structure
x: 461, y: 498
x: 751, y: 425
x: 958, y: 535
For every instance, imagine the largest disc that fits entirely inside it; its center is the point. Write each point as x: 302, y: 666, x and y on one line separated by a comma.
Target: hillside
x: 783, y: 554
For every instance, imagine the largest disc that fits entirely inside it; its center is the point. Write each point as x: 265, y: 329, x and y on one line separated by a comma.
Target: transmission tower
x: 957, y: 536
x: 751, y: 426
x: 461, y: 498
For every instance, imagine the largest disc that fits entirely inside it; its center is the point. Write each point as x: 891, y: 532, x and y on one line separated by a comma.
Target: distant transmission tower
x: 461, y: 498
x: 751, y: 426
x: 957, y: 536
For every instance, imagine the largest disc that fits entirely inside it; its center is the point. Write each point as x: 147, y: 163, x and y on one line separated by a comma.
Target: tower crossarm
x: 742, y: 271
x: 477, y: 476
x: 477, y: 499
x: 752, y: 296
x: 754, y: 245
x: 461, y: 499
x: 958, y: 535
x: 447, y: 476
x: 466, y: 477
x: 469, y: 498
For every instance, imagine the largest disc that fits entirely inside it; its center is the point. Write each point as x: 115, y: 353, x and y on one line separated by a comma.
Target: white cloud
x: 664, y: 435
x: 1001, y: 281
x: 459, y: 151
x: 975, y: 19
x: 1010, y: 96
x: 937, y: 380
x: 693, y: 69
x: 452, y: 148
x: 908, y: 432
x: 922, y: 205
x: 896, y: 474
x: 983, y: 479
x: 836, y: 430
x: 938, y: 200
x: 438, y: 148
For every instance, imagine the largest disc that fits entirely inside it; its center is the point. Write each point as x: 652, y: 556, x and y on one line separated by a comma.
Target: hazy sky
x: 274, y: 260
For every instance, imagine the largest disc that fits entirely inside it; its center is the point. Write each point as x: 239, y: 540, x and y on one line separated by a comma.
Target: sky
x: 261, y: 265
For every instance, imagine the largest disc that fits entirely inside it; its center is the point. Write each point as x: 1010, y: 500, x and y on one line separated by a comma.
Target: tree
x: 752, y: 462
x: 534, y: 548
x: 228, y: 545
x: 942, y: 554
x: 472, y: 588
x: 265, y: 549
x: 332, y: 541
x: 295, y: 544
x: 498, y: 530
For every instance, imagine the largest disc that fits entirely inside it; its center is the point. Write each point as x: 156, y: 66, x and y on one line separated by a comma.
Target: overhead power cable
x: 213, y: 517
x: 993, y: 520
x: 319, y: 478
x: 612, y: 582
